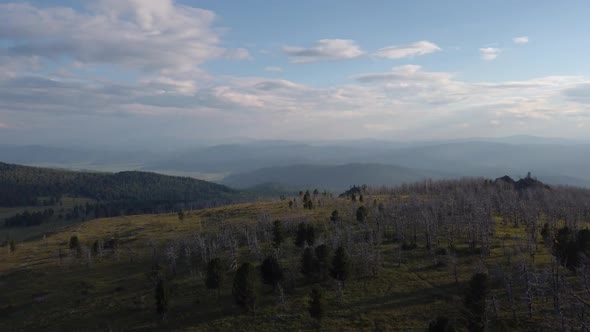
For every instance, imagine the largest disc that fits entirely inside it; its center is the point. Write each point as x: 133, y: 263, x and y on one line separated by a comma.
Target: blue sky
x: 115, y: 70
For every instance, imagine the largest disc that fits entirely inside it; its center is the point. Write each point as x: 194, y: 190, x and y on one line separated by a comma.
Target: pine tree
x: 161, y: 298
x: 278, y: 233
x: 74, y: 242
x: 214, y: 277
x: 305, y: 234
x: 310, y: 234
x: 244, y: 287
x: 322, y: 255
x: 335, y: 216
x: 271, y: 271
x: 441, y: 324
x: 308, y: 262
x: 316, y: 304
x: 361, y: 214
x: 340, y: 265
x: 300, y: 235
x: 475, y: 302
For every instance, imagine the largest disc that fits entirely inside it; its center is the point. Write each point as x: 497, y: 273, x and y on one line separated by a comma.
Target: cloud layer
x: 131, y: 67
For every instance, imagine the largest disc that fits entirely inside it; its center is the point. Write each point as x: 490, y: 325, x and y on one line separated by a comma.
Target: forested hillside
x: 23, y: 185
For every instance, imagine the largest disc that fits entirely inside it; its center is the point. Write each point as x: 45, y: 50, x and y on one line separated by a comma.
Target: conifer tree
x: 214, y: 277
x: 361, y: 214
x: 340, y: 265
x: 308, y: 262
x: 316, y: 304
x: 278, y: 233
x: 161, y: 298
x: 244, y: 287
x: 475, y: 302
x: 271, y: 271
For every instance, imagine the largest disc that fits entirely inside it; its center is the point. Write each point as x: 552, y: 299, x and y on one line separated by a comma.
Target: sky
x: 145, y: 72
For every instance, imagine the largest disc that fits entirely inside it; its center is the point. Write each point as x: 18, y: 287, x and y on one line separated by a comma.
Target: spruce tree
x: 340, y: 265
x: 278, y: 233
x: 305, y: 234
x: 361, y: 214
x: 161, y: 298
x: 308, y: 262
x: 316, y: 304
x: 214, y: 277
x: 310, y: 234
x: 441, y: 324
x: 74, y: 242
x: 475, y: 302
x: 271, y: 272
x: 335, y: 216
x: 244, y: 287
x: 322, y: 255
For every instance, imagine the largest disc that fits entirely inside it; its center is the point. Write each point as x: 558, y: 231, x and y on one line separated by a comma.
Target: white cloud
x: 147, y: 35
x: 407, y: 74
x: 410, y: 50
x: 324, y: 50
x: 520, y: 40
x: 273, y: 69
x: 489, y: 53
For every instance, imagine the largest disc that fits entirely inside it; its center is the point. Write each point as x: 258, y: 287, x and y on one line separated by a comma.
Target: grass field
x: 41, y: 291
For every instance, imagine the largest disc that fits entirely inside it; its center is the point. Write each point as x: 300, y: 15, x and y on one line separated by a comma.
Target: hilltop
x: 411, y: 255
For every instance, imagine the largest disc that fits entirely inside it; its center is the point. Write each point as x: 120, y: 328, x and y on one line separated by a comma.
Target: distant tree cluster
x: 27, y: 219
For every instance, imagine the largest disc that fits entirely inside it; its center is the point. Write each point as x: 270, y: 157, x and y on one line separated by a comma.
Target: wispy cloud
x: 410, y: 50
x: 274, y: 69
x: 489, y: 53
x: 324, y: 50
x: 520, y: 40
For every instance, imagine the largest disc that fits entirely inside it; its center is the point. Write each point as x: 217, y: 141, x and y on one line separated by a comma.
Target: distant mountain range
x: 335, y: 178
x: 287, y: 164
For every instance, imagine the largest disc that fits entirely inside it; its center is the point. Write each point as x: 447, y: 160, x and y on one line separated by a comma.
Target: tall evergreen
x: 244, y: 287
x: 161, y: 298
x: 214, y: 276
x: 475, y: 302
x: 441, y: 324
x: 316, y: 304
x: 322, y: 255
x: 361, y: 214
x: 278, y: 233
x: 340, y: 265
x: 308, y: 262
x: 271, y: 271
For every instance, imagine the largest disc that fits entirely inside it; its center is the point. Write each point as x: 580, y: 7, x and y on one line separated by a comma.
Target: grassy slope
x: 40, y: 293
